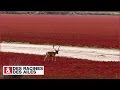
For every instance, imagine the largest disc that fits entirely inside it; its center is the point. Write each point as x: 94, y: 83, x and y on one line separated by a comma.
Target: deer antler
x: 53, y: 47
x: 58, y: 47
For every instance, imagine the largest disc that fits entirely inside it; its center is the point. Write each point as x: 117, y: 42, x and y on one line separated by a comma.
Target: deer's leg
x: 52, y: 58
x: 55, y: 58
x: 45, y: 57
x: 48, y: 58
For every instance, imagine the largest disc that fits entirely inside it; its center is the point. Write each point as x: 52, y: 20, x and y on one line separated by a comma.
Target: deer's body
x: 52, y: 54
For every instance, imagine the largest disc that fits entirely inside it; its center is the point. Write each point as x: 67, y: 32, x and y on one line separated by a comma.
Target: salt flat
x: 95, y: 54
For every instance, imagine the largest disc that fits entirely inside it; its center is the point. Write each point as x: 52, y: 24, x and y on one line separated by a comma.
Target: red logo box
x: 7, y: 70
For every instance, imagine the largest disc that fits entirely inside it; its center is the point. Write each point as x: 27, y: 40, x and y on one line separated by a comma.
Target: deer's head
x: 56, y: 50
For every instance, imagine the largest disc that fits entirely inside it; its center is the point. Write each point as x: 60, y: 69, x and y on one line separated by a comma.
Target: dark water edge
x: 116, y: 13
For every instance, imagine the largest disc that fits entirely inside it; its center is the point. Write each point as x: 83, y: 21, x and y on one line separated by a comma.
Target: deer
x: 52, y: 53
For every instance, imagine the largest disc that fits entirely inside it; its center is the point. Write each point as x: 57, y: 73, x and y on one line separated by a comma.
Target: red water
x: 89, y: 30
